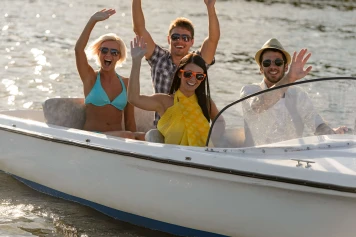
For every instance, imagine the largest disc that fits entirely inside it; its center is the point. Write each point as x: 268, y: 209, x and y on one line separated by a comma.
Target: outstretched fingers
x: 143, y: 43
x: 305, y: 60
x: 134, y: 42
x: 103, y: 14
x: 294, y: 57
x: 138, y: 47
x: 297, y: 70
x: 308, y: 70
x: 108, y: 11
x: 139, y: 42
x: 300, y: 57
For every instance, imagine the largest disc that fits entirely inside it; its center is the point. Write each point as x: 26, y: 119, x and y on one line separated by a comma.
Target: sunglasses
x: 184, y: 37
x: 278, y: 62
x: 198, y: 75
x: 113, y: 52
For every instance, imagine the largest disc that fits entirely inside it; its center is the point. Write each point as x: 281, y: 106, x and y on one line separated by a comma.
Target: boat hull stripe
x: 120, y: 215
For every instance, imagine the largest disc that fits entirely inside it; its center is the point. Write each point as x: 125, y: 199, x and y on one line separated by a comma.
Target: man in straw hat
x: 280, y: 114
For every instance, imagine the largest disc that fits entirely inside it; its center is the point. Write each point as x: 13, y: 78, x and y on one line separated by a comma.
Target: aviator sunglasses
x: 113, y: 52
x: 184, y: 37
x: 278, y: 62
x: 188, y: 74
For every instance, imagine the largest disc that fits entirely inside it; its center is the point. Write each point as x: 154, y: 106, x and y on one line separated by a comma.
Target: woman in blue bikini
x: 105, y: 90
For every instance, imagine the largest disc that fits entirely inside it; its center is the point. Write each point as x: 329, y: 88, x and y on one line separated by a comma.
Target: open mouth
x: 107, y: 62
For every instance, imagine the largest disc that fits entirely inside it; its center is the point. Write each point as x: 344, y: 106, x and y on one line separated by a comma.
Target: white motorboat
x: 300, y: 187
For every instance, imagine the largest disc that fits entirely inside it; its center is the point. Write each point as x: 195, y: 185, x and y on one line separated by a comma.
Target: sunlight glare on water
x: 38, y: 62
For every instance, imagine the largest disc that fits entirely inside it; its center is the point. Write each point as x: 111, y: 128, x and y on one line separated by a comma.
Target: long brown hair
x: 203, y: 90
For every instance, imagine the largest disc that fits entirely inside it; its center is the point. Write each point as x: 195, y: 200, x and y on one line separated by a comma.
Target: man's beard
x: 274, y: 81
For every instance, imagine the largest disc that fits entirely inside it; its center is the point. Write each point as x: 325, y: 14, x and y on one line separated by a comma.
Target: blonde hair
x: 93, y: 49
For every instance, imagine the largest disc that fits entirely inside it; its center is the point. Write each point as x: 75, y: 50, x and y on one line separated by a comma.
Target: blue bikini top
x: 97, y: 96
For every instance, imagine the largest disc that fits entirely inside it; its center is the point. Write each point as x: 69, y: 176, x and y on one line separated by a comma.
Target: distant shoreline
x: 343, y: 5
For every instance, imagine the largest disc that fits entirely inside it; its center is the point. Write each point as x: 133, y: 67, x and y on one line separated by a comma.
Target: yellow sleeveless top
x: 184, y: 122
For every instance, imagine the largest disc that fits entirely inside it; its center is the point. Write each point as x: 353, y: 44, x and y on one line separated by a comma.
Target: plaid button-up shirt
x: 162, y: 72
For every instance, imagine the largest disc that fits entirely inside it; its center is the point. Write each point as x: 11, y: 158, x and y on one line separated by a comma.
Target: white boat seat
x: 66, y: 112
x: 144, y: 120
x: 70, y: 112
x: 154, y: 135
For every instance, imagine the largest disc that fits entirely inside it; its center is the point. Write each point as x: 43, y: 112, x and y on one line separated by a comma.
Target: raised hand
x: 340, y: 130
x: 103, y: 14
x: 209, y: 2
x: 138, y: 48
x: 298, y: 62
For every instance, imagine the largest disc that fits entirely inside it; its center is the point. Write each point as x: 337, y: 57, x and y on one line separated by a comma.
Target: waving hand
x: 297, y: 70
x: 103, y: 14
x: 138, y: 48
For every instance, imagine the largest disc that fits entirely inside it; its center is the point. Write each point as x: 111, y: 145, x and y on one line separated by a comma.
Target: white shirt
x: 285, y: 120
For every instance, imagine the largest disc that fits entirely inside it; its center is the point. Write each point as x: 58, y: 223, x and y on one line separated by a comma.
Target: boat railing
x: 332, y: 97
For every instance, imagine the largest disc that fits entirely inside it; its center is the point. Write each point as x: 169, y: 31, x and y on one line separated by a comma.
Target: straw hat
x: 272, y: 44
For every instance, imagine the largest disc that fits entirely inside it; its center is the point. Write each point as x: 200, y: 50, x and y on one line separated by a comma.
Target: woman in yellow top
x: 187, y: 110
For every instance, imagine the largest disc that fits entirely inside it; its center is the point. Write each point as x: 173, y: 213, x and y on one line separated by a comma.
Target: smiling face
x: 109, y: 59
x: 180, y: 47
x: 273, y: 73
x: 189, y: 85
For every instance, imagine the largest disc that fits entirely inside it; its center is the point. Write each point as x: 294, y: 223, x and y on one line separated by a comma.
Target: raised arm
x: 264, y: 101
x: 210, y: 44
x: 83, y: 66
x: 129, y: 113
x: 139, y: 27
x: 151, y: 103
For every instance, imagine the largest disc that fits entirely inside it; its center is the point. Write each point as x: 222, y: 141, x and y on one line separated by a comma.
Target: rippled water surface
x: 37, y: 62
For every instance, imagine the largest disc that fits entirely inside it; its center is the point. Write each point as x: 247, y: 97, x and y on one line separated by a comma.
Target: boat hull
x: 173, y: 197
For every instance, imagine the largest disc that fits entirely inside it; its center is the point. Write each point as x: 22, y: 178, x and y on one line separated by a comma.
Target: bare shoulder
x: 125, y: 80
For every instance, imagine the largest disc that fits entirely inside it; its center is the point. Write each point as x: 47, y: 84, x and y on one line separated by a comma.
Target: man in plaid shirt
x: 164, y: 62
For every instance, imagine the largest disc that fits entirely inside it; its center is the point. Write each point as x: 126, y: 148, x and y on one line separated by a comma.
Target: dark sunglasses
x: 198, y: 75
x: 184, y: 37
x: 105, y: 50
x: 278, y: 62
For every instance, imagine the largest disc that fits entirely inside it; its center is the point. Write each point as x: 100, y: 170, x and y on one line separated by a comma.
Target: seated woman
x: 186, y: 111
x: 104, y: 89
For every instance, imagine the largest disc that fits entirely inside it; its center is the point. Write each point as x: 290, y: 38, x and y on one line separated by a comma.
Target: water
x: 37, y: 62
